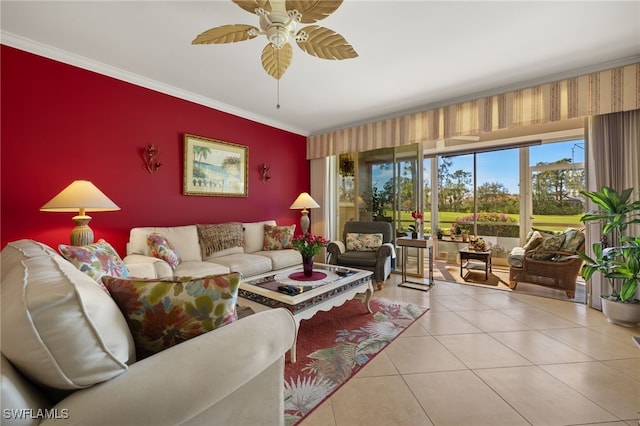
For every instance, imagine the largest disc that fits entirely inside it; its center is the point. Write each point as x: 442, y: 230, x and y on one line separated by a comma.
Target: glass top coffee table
x: 328, y: 287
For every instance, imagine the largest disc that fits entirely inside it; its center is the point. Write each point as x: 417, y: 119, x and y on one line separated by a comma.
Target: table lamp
x: 81, y: 196
x: 304, y: 202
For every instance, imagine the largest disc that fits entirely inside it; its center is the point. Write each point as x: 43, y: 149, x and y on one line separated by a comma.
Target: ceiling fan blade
x: 226, y: 34
x: 313, y: 10
x: 251, y: 5
x: 324, y: 43
x: 276, y: 61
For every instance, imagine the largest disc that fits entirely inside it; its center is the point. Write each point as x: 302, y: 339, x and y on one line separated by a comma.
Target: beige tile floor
x: 488, y: 357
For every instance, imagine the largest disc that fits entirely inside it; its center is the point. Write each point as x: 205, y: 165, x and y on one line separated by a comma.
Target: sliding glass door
x: 384, y: 184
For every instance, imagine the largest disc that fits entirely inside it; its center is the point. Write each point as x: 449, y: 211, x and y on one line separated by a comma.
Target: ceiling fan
x: 278, y: 20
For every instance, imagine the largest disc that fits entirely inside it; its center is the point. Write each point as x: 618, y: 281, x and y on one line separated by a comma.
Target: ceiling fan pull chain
x: 278, y: 80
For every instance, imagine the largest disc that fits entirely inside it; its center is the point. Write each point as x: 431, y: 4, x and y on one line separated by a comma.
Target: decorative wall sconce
x: 264, y: 170
x: 150, y: 156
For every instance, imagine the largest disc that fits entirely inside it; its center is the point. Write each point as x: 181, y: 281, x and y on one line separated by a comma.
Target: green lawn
x: 546, y: 221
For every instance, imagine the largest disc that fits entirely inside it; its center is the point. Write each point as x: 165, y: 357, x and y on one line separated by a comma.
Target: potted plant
x: 620, y: 262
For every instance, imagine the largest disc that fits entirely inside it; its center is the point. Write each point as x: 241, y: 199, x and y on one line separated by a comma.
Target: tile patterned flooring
x: 487, y: 357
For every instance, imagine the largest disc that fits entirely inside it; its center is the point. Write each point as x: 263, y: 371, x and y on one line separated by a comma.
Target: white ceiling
x: 412, y: 54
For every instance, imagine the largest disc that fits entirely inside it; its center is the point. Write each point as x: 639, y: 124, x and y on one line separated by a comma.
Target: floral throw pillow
x: 552, y: 243
x: 96, y: 260
x: 161, y: 248
x: 278, y: 237
x: 164, y: 313
x: 363, y: 242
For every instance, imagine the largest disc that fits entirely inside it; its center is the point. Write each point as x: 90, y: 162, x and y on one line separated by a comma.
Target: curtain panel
x: 603, y: 92
x: 613, y: 156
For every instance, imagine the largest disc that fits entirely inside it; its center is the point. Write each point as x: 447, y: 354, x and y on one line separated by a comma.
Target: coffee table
x: 330, y: 286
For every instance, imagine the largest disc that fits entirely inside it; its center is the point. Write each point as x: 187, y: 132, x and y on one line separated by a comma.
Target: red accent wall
x: 60, y: 123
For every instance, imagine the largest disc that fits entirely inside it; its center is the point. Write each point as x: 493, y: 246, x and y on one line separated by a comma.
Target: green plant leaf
x: 628, y: 289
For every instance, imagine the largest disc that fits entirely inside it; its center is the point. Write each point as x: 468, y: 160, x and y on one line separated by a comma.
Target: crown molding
x: 63, y: 56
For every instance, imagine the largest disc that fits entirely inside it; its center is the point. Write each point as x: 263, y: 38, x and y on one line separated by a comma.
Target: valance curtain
x: 613, y: 159
x: 603, y: 92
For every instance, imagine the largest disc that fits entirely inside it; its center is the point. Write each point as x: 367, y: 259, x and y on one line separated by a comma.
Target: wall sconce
x: 150, y: 157
x: 264, y: 170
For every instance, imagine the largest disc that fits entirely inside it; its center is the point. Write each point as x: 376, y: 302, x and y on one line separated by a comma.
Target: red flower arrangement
x: 416, y: 215
x: 308, y: 244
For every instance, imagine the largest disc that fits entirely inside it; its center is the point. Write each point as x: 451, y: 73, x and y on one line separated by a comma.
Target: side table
x: 405, y: 243
x: 483, y: 264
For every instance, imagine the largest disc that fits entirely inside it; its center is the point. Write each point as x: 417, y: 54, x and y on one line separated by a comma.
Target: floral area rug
x: 335, y: 345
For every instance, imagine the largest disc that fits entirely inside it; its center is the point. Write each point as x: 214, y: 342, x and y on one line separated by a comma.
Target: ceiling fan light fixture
x: 279, y: 34
x: 279, y: 26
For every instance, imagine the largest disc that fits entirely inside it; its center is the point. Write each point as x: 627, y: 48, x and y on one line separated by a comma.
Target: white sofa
x: 250, y: 259
x: 68, y: 357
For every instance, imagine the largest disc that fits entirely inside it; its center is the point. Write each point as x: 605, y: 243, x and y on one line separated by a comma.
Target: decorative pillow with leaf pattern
x: 163, y: 313
x: 95, y: 260
x: 574, y: 239
x: 549, y: 244
x: 363, y: 242
x: 161, y: 248
x: 278, y: 237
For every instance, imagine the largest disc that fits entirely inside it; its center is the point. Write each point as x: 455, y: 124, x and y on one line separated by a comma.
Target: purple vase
x: 307, y: 265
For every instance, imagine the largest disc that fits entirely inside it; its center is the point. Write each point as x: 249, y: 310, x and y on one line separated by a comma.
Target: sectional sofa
x: 68, y: 356
x: 249, y: 248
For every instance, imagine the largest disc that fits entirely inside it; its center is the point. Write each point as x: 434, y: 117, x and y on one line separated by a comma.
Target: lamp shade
x: 80, y: 196
x: 304, y: 201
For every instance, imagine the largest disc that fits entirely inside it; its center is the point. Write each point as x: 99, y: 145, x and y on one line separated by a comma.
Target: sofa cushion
x: 278, y: 237
x: 254, y: 235
x: 358, y: 259
x: 281, y: 259
x: 161, y: 248
x: 58, y: 327
x: 183, y: 238
x: 552, y: 243
x: 164, y: 313
x: 534, y: 241
x: 95, y: 260
x: 218, y: 237
x: 247, y: 264
x: 198, y: 269
x: 363, y: 242
x: 574, y: 239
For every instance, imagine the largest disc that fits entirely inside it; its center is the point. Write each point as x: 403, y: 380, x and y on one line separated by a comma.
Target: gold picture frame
x: 214, y: 168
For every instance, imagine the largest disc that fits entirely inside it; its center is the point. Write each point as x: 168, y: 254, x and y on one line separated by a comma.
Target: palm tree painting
x: 214, y: 167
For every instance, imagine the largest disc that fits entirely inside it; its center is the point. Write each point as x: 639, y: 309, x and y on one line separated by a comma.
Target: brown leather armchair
x: 378, y: 261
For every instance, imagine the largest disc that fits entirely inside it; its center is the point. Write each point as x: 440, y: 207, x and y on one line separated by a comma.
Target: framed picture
x: 214, y: 168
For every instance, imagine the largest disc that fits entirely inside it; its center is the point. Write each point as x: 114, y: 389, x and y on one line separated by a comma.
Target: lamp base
x: 304, y: 221
x: 81, y: 235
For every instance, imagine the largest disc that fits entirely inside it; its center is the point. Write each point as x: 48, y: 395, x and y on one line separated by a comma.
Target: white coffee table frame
x: 305, y: 305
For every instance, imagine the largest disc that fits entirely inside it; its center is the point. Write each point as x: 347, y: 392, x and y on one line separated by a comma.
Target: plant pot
x: 619, y: 313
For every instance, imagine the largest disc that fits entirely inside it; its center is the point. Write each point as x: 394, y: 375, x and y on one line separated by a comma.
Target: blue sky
x: 502, y: 166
